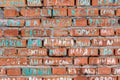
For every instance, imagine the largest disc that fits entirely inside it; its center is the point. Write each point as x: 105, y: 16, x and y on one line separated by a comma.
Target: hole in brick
x: 119, y: 21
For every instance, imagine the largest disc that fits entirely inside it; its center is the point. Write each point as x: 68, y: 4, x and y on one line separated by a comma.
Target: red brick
x: 11, y: 32
x: 35, y: 61
x: 56, y: 22
x: 2, y: 71
x: 13, y: 61
x: 118, y: 12
x: 74, y: 71
x: 57, y: 61
x: 105, y: 3
x: 81, y: 61
x: 58, y: 2
x: 1, y: 33
x: 103, y: 22
x: 83, y: 12
x: 83, y: 42
x: 107, y: 12
x: 83, y: 52
x: 14, y: 72
x: 58, y: 70
x: 118, y: 31
x: 103, y: 77
x: 10, y: 12
x: 57, y: 52
x: 80, y: 78
x: 13, y: 3
x: 60, y: 32
x: 35, y: 32
x: 102, y: 61
x: 107, y: 32
x: 107, y: 51
x: 117, y: 51
x: 106, y: 42
x: 80, y: 22
x: 32, y: 52
x: 35, y: 12
x: 88, y: 71
x: 84, y: 32
x: 10, y: 52
x: 104, y: 70
x: 32, y: 23
x: 59, y: 12
x: 58, y: 42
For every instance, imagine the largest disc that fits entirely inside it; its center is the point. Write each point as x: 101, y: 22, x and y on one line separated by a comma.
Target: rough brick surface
x: 59, y: 39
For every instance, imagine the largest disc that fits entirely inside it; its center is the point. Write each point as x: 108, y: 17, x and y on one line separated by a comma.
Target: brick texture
x: 59, y: 39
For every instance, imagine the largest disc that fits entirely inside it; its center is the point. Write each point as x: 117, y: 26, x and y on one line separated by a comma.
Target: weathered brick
x: 57, y: 61
x: 12, y: 3
x: 57, y: 52
x: 58, y: 2
x: 35, y: 12
x: 35, y: 32
x: 32, y: 52
x: 83, y: 12
x: 34, y: 2
x: 58, y: 42
x: 55, y: 22
x: 84, y: 32
x: 83, y: 52
x: 81, y: 61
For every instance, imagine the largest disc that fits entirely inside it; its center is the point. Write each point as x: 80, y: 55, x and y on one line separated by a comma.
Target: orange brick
x: 118, y: 12
x: 11, y: 32
x: 1, y: 33
x: 14, y: 72
x: 58, y: 70
x: 10, y: 52
x: 104, y: 70
x: 118, y: 31
x: 80, y: 22
x: 10, y: 12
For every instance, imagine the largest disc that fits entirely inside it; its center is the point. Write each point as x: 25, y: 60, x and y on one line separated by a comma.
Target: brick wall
x: 59, y: 39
